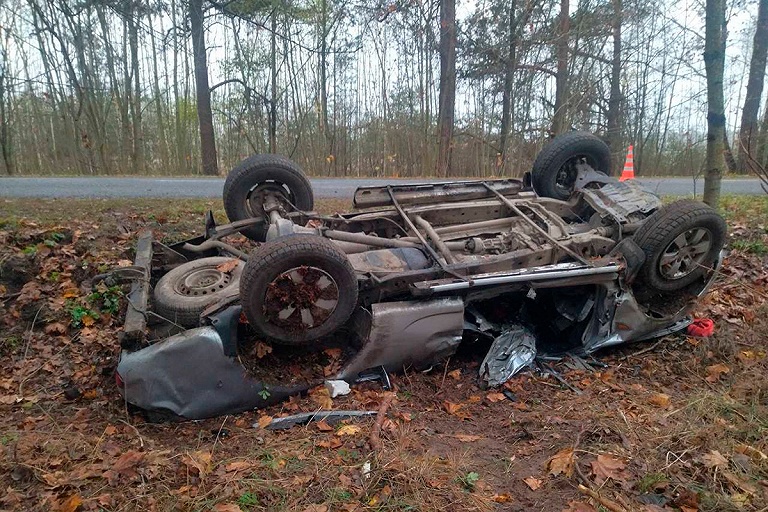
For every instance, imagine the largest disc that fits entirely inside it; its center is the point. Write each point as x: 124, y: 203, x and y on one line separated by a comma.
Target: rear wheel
x: 254, y: 179
x: 681, y: 241
x: 297, y: 289
x: 554, y: 170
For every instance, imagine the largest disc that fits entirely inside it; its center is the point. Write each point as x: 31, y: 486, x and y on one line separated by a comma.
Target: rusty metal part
x: 413, y: 228
x: 387, y: 261
x: 512, y: 206
x: 431, y: 193
x: 133, y: 334
x: 301, y: 298
x: 527, y: 275
x: 444, y: 250
x: 216, y: 244
x: 361, y: 238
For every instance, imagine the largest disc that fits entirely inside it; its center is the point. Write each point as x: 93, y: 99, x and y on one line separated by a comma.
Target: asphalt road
x: 324, y: 188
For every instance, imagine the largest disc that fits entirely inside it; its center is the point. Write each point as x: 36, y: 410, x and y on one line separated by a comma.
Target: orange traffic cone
x: 629, y: 166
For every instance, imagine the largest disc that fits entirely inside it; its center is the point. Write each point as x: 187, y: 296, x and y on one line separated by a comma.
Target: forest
x: 395, y: 88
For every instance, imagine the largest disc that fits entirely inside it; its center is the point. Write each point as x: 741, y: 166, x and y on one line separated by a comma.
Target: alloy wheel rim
x: 685, y: 253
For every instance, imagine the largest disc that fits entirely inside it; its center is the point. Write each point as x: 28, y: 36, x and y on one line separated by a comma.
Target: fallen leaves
x: 457, y: 410
x: 606, y: 467
x: 715, y: 371
x: 71, y: 504
x: 467, y: 438
x: 125, y: 466
x: 228, y: 266
x: 55, y: 328
x: 263, y: 421
x: 533, y: 483
x: 660, y: 400
x: 714, y: 459
x: 261, y: 349
x: 226, y: 507
x: 198, y: 462
x: 562, y: 462
x: 348, y: 430
x: 495, y: 397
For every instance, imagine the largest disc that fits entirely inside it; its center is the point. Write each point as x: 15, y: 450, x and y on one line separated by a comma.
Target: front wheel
x: 254, y: 179
x: 682, y: 242
x: 297, y: 289
x: 554, y: 171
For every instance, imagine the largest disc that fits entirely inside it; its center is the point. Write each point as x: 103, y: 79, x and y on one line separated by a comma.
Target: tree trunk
x: 714, y: 63
x: 5, y: 130
x: 748, y: 134
x: 203, y: 91
x: 137, y: 154
x: 162, y: 143
x: 447, y: 85
x: 730, y: 161
x: 506, y: 99
x: 613, y: 121
x: 559, y: 119
x: 273, y: 88
x: 762, y: 141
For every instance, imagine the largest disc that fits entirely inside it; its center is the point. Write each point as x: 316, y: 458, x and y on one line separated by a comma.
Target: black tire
x: 184, y: 292
x: 553, y: 174
x: 258, y: 173
x: 269, y: 288
x: 674, y: 255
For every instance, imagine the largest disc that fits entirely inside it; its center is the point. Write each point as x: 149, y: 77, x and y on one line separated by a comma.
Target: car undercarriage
x: 569, y: 259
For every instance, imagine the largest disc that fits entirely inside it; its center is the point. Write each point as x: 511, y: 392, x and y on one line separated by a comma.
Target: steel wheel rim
x: 301, y: 298
x: 202, y: 281
x: 685, y: 253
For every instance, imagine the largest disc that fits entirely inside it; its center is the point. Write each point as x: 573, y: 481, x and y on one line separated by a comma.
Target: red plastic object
x: 701, y: 327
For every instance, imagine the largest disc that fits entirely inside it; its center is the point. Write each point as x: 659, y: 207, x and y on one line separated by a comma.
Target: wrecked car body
x: 568, y: 260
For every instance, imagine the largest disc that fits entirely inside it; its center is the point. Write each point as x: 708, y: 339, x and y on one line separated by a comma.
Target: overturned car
x: 568, y: 259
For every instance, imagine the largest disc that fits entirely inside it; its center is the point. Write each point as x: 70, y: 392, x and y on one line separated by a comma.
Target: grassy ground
x: 680, y: 424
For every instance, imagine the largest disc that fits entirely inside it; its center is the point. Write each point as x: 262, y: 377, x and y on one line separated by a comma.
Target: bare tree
x: 714, y: 62
x: 560, y: 117
x: 203, y: 91
x: 748, y: 134
x: 447, y: 85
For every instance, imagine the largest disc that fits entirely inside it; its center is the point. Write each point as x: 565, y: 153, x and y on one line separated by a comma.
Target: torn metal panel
x: 621, y: 200
x: 408, y: 332
x: 622, y: 319
x: 510, y: 352
x: 303, y: 418
x: 190, y: 376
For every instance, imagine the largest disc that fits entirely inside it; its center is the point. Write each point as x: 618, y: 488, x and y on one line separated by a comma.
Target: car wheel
x: 681, y: 241
x: 184, y: 292
x: 554, y: 170
x: 297, y: 289
x: 253, y: 179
